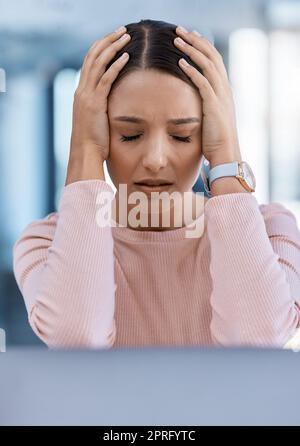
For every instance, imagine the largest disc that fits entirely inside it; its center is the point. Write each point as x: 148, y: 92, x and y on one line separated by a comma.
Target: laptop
x: 166, y: 386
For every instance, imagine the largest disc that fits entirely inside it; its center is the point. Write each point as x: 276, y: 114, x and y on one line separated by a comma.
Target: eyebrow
x: 138, y: 120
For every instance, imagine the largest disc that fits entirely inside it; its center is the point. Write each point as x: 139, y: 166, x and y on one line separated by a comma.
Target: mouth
x: 153, y: 187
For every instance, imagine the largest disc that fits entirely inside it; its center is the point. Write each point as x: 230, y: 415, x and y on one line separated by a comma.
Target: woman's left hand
x: 219, y: 132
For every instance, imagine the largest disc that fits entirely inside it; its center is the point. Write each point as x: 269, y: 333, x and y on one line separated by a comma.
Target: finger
x: 207, y: 66
x: 205, y: 89
x: 106, y: 81
x: 206, y: 47
x: 94, y: 51
x: 99, y: 67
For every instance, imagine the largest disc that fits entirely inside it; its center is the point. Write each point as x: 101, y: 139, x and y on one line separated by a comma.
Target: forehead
x: 151, y: 93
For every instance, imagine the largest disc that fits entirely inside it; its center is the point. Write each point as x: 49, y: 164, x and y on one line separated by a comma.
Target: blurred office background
x: 42, y: 46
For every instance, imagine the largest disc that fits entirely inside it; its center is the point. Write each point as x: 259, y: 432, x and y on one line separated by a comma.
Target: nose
x: 156, y: 156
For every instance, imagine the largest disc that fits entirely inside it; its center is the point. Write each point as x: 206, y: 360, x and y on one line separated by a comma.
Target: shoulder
x: 279, y: 219
x: 47, y: 221
x: 39, y: 228
x: 275, y: 210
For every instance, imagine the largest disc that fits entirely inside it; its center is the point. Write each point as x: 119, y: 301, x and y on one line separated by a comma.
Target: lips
x: 150, y: 187
x: 154, y: 184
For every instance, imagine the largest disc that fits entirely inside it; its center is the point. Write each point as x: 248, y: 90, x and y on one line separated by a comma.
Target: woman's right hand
x: 90, y: 127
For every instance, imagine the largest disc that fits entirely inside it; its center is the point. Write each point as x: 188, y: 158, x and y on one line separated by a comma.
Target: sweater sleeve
x: 64, y: 268
x: 255, y: 270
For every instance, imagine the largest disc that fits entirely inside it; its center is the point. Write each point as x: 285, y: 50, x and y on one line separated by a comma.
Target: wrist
x: 223, y: 158
x: 226, y: 185
x: 85, y: 150
x: 85, y: 163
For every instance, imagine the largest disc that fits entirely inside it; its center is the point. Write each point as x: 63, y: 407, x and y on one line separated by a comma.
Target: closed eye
x: 178, y: 138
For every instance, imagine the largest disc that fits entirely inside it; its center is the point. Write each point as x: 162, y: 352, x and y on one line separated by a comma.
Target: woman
x: 90, y: 285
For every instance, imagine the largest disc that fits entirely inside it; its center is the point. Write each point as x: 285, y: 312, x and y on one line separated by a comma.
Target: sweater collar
x: 182, y: 233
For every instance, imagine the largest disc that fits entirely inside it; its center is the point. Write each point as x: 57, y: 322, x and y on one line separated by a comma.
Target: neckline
x: 133, y: 235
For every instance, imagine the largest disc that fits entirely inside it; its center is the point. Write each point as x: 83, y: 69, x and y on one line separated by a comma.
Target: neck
x: 155, y: 217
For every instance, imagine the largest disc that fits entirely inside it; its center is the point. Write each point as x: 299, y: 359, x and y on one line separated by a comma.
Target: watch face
x: 248, y: 175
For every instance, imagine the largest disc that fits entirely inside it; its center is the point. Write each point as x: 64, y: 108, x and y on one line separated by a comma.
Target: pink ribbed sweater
x: 87, y: 286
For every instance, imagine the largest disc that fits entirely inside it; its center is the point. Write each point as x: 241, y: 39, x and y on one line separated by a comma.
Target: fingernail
x: 180, y: 41
x: 196, y: 32
x: 184, y: 62
x: 125, y: 36
x: 122, y: 28
x: 181, y: 28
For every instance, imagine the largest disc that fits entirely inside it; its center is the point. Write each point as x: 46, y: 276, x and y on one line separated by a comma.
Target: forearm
x: 85, y: 163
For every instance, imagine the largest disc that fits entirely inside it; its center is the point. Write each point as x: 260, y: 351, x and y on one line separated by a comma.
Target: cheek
x: 120, y: 164
x: 191, y: 162
x: 190, y: 167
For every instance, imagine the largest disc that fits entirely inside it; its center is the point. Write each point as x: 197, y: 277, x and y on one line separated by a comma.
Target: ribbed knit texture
x: 87, y: 286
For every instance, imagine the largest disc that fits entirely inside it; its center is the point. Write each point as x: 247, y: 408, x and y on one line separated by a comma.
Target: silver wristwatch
x: 239, y: 169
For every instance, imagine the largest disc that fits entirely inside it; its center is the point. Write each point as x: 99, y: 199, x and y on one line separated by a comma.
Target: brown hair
x: 152, y: 47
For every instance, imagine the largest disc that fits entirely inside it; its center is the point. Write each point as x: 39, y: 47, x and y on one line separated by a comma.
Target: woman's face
x: 155, y: 98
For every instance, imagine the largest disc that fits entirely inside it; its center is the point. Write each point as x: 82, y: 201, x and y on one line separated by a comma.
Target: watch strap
x: 223, y: 170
